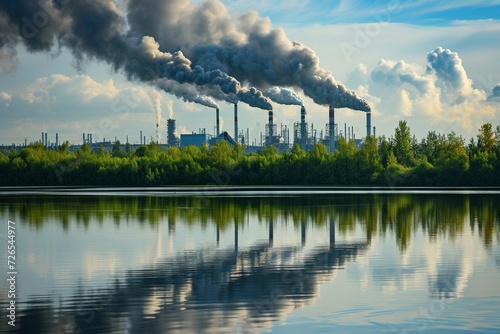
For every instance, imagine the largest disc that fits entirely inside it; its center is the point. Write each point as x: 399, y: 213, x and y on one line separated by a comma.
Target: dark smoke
x: 196, y: 44
x: 96, y: 30
x: 250, y: 50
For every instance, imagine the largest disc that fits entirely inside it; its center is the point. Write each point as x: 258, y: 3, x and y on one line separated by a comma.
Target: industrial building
x: 303, y: 134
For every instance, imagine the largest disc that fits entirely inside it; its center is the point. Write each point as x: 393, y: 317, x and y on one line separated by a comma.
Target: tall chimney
x: 374, y: 132
x: 57, y: 139
x: 217, y: 121
x: 236, y: 122
x: 83, y: 142
x: 43, y: 140
x: 141, y: 137
x: 171, y: 139
x: 91, y: 138
x: 271, y: 127
x: 368, y: 124
x: 46, y: 140
x: 303, y: 128
x: 331, y: 126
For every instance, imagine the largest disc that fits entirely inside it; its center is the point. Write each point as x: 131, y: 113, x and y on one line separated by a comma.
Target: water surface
x: 142, y: 260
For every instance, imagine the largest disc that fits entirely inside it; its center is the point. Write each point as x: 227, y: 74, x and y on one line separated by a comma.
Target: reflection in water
x: 226, y: 289
x: 398, y: 213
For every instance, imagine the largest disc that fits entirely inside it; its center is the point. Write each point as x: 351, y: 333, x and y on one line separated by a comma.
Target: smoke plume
x: 186, y: 92
x: 196, y: 44
x: 283, y: 96
x: 97, y: 30
x: 250, y: 49
x: 155, y: 101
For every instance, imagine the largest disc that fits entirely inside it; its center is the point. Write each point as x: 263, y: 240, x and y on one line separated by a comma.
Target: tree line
x: 398, y: 161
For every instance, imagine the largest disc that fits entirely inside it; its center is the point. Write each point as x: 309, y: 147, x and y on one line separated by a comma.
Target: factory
x: 305, y: 135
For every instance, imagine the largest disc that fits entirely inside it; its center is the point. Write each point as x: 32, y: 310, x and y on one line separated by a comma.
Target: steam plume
x: 283, y: 96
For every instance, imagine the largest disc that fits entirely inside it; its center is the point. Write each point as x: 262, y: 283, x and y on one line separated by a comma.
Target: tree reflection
x: 398, y: 214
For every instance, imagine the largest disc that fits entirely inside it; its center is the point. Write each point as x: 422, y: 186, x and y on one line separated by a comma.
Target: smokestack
x: 368, y: 124
x: 271, y: 127
x: 42, y: 138
x: 140, y: 138
x: 217, y: 121
x: 57, y: 139
x: 236, y: 122
x: 83, y: 138
x: 345, y: 131
x: 144, y: 140
x: 171, y: 139
x: 90, y: 138
x: 303, y: 128
x: 46, y: 140
x: 374, y: 132
x: 331, y: 126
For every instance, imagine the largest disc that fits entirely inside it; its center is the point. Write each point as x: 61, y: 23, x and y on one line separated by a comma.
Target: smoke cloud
x: 186, y: 92
x: 196, y: 44
x: 97, y: 30
x: 249, y: 49
x: 283, y: 96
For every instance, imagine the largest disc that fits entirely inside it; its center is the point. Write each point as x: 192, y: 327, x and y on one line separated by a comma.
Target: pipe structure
x: 141, y: 138
x: 331, y: 126
x: 57, y: 139
x: 46, y: 140
x: 368, y: 124
x: 236, y: 122
x: 83, y: 141
x: 217, y: 122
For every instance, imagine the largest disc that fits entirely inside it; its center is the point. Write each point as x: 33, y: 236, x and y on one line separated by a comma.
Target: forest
x: 438, y: 160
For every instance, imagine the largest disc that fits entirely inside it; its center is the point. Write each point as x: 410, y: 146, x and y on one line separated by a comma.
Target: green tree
x: 486, y: 138
x: 116, y: 151
x: 403, y: 144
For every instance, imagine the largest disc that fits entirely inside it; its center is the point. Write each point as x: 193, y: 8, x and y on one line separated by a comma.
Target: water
x: 173, y: 261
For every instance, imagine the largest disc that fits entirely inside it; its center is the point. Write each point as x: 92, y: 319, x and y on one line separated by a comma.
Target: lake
x: 252, y: 260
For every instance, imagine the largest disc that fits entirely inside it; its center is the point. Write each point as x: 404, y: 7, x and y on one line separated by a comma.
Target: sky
x: 432, y: 63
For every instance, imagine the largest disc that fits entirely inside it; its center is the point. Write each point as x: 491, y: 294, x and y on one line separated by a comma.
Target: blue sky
x: 47, y: 93
x: 305, y: 13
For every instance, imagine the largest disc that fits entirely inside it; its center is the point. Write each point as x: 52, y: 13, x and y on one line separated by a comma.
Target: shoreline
x: 241, y: 191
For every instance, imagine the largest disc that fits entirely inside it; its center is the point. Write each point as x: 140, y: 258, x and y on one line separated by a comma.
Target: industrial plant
x: 303, y: 134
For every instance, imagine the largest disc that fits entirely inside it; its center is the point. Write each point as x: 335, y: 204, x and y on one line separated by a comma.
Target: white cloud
x: 75, y: 104
x: 443, y: 92
x: 5, y: 99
